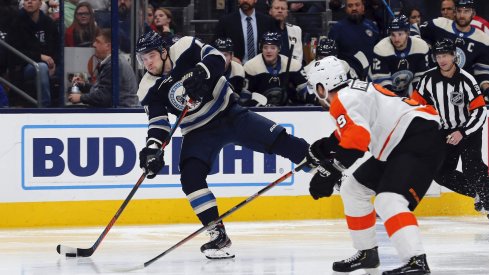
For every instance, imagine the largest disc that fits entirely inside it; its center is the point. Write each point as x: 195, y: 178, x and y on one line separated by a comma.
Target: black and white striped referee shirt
x: 458, y: 99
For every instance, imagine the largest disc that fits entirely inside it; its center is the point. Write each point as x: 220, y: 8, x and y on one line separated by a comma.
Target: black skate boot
x: 368, y: 258
x: 218, y: 246
x: 417, y: 265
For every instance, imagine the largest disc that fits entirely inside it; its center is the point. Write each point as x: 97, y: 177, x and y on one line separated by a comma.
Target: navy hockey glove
x: 150, y: 161
x: 323, y: 182
x: 193, y: 83
x: 321, y: 150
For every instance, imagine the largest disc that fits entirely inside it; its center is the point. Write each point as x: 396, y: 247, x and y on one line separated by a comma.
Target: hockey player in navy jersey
x: 266, y: 74
x: 399, y: 60
x: 234, y: 72
x: 327, y: 47
x: 194, y: 69
x: 471, y: 43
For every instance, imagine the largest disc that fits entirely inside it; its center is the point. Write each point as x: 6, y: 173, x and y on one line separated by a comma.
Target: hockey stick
x: 87, y: 252
x: 388, y: 8
x: 220, y: 218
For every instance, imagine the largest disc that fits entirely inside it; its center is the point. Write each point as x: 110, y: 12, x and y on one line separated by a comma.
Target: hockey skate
x: 363, y: 259
x: 219, y: 245
x: 417, y: 265
x: 481, y: 206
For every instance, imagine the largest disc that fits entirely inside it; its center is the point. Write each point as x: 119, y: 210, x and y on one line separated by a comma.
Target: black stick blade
x: 74, y: 252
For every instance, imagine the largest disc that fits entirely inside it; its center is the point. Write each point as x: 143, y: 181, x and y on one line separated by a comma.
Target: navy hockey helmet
x: 399, y: 23
x: 271, y: 38
x: 326, y: 47
x: 465, y: 4
x: 150, y: 41
x: 445, y: 45
x: 224, y: 44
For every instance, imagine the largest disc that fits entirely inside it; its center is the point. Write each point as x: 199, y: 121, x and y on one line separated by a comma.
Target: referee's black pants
x: 474, y: 178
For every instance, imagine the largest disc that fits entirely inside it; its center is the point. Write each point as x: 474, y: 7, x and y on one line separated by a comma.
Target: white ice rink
x: 453, y: 245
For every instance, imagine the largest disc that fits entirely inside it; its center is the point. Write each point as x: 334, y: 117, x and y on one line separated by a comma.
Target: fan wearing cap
x: 458, y: 99
x: 399, y: 59
x: 471, y: 44
x: 267, y: 74
x: 406, y: 151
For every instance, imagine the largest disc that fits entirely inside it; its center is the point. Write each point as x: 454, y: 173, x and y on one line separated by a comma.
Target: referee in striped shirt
x: 458, y: 99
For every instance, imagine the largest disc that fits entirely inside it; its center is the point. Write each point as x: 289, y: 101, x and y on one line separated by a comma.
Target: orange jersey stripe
x: 477, y: 103
x: 417, y: 96
x: 353, y: 136
x: 361, y: 223
x: 399, y: 221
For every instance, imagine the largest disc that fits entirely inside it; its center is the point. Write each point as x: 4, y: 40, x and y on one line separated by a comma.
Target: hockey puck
x: 70, y: 255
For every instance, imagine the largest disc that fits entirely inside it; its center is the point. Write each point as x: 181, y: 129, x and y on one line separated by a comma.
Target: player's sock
x: 219, y: 245
x: 368, y: 258
x: 417, y: 265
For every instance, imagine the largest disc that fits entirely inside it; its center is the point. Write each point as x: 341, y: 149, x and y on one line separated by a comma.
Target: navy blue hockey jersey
x: 399, y: 71
x: 262, y: 78
x: 472, y: 46
x: 166, y: 95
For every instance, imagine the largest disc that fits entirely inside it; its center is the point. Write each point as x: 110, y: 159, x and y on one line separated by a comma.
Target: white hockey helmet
x: 330, y: 73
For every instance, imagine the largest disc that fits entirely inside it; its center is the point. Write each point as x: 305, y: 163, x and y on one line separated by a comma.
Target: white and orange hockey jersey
x: 371, y: 118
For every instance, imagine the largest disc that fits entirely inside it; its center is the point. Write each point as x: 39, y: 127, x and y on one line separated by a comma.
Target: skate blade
x: 361, y: 271
x: 216, y: 254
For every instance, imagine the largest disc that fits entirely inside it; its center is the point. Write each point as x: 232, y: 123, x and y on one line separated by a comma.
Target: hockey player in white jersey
x: 399, y: 60
x: 194, y: 69
x: 404, y: 140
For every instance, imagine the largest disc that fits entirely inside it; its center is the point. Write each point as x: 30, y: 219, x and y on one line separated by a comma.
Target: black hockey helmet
x: 464, y: 4
x: 399, y: 23
x: 326, y: 47
x: 271, y: 38
x: 224, y: 44
x: 150, y: 41
x: 445, y: 45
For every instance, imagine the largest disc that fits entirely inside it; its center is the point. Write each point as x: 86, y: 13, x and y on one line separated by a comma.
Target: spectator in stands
x: 245, y: 27
x: 8, y: 11
x: 149, y: 19
x: 399, y: 60
x: 35, y: 35
x: 124, y: 7
x: 267, y: 74
x: 100, y: 93
x: 82, y: 31
x: 291, y: 34
x: 98, y: 5
x: 163, y: 22
x: 414, y: 15
x: 234, y: 72
x: 447, y: 9
x: 69, y: 11
x: 355, y: 37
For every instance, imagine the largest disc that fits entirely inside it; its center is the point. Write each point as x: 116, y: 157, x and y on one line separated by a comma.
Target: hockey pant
x: 239, y: 126
x: 398, y: 184
x: 475, y: 175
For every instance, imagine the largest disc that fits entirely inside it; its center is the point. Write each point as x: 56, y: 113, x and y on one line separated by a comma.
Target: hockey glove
x: 193, y: 83
x: 150, y: 161
x: 323, y: 182
x: 321, y: 150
